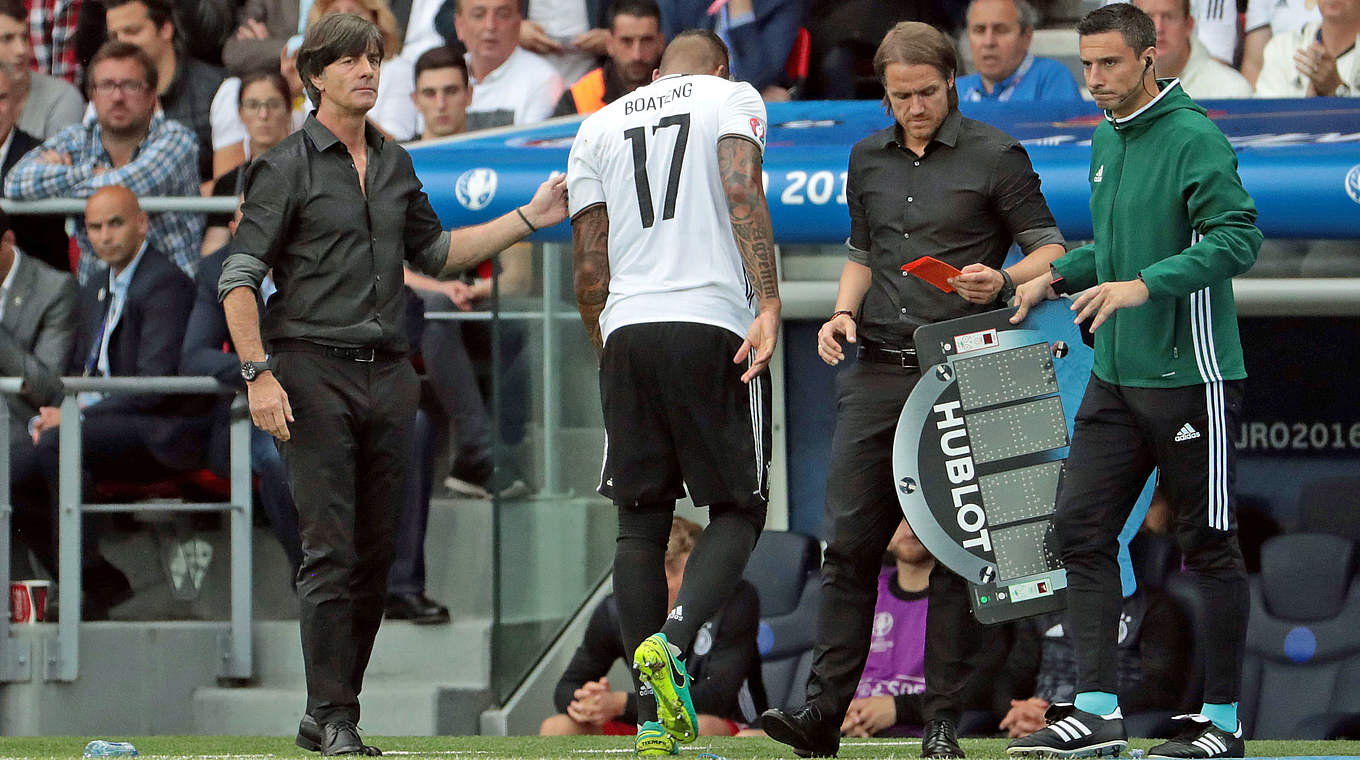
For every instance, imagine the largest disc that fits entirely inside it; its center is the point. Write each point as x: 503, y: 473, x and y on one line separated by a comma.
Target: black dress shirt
x: 963, y: 201
x: 336, y: 250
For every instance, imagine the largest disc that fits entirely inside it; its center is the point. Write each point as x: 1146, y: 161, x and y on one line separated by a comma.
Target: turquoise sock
x: 1223, y: 716
x: 1097, y: 702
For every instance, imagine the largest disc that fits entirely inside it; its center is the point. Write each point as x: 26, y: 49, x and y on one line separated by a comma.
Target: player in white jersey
x: 676, y: 283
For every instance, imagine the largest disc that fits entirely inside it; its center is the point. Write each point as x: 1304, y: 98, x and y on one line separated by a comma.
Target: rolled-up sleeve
x: 268, y: 207
x: 427, y: 242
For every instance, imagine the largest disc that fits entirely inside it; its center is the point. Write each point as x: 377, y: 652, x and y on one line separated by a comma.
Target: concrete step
x: 389, y: 709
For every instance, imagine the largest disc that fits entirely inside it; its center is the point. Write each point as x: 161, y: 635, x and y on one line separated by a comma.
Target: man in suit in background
x: 131, y: 323
x: 42, y: 237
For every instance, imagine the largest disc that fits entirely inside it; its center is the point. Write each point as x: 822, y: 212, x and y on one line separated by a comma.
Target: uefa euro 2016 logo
x: 475, y: 188
x: 1353, y: 183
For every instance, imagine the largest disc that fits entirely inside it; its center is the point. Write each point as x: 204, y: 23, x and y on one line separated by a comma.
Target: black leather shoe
x: 805, y: 730
x: 310, y: 736
x: 416, y: 608
x: 341, y: 738
x: 941, y: 739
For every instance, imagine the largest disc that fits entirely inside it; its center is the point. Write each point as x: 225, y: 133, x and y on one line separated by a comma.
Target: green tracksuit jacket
x: 1167, y: 205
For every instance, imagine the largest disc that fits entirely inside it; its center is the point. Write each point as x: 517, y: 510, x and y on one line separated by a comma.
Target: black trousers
x: 1120, y: 434
x: 348, y: 460
x: 862, y: 514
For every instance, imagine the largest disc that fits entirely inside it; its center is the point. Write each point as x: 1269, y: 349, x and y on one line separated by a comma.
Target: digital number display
x: 1021, y: 494
x: 1017, y: 430
x: 1006, y: 376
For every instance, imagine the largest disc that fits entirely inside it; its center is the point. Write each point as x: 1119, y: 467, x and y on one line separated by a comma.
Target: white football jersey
x: 651, y: 157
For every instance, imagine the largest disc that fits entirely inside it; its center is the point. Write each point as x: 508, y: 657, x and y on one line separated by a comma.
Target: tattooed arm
x: 590, y: 267
x: 739, y: 163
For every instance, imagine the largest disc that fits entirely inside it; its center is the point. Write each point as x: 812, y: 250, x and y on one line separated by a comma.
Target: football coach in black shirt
x: 933, y: 184
x: 335, y: 209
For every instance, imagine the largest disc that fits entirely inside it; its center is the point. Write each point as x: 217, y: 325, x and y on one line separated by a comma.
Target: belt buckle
x: 365, y: 355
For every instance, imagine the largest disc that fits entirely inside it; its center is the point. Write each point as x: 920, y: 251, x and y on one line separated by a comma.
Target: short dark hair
x: 913, y: 43
x: 271, y: 76
x: 333, y: 37
x: 122, y: 51
x: 14, y: 9
x: 159, y: 11
x: 1136, y: 26
x: 638, y: 8
x: 716, y: 55
x: 442, y: 57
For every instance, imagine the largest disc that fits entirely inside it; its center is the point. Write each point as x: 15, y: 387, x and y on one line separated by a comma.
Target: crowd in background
x: 175, y: 97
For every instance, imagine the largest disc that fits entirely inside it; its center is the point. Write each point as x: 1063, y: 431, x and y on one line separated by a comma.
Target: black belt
x: 872, y: 351
x: 359, y: 354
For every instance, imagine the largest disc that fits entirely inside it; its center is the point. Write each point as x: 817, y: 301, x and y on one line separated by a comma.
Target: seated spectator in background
x: 43, y: 104
x: 131, y: 324
x: 758, y: 38
x: 203, y: 354
x: 126, y: 142
x: 394, y: 113
x: 723, y: 663
x: 1152, y: 657
x: 1181, y: 54
x: 889, y: 698
x: 845, y: 34
x: 634, y: 45
x: 230, y: 148
x: 1267, y: 18
x: 185, y: 85
x: 1319, y: 59
x: 1000, y: 33
x: 441, y: 93
x: 52, y: 32
x: 1215, y: 28
x: 265, y: 107
x: 42, y: 237
x: 570, y: 34
x: 510, y: 85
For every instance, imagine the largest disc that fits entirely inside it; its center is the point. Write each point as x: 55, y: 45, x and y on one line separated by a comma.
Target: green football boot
x: 653, y: 739
x: 658, y: 664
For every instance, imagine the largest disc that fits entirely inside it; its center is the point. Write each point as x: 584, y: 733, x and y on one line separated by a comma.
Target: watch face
x: 249, y: 371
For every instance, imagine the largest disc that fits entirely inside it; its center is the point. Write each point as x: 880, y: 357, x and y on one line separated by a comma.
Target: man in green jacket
x: 1173, y: 225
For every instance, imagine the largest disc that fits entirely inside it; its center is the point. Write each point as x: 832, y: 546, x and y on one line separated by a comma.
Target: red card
x: 933, y: 271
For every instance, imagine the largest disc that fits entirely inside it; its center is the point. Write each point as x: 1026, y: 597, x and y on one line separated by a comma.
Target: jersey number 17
x: 638, y: 137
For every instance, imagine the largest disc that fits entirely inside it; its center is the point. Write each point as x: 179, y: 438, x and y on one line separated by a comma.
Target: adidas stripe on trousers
x: 1121, y: 434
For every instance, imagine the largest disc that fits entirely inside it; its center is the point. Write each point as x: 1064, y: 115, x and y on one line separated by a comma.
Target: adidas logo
x: 1100, y: 174
x: 1186, y: 433
x: 678, y: 613
x: 1212, y: 745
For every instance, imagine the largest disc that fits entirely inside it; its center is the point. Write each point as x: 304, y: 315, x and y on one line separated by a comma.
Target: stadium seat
x: 1301, y: 676
x: 783, y: 568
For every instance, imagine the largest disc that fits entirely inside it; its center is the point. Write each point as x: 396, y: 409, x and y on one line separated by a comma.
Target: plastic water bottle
x: 101, y: 748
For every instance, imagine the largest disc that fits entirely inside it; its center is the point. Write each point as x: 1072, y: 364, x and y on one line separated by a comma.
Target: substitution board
x: 980, y: 446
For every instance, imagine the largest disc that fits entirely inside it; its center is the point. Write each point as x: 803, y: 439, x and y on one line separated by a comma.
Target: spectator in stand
x: 724, y: 663
x: 634, y: 45
x: 758, y: 38
x: 131, y: 323
x: 510, y: 85
x: 1267, y: 18
x: 186, y: 85
x: 1319, y: 59
x: 442, y: 93
x: 1000, y: 33
x: 889, y: 698
x: 1215, y: 27
x: 1181, y: 54
x: 52, y: 33
x: 229, y: 129
x: 394, y: 113
x: 571, y: 34
x: 45, y: 104
x: 267, y: 25
x: 126, y: 142
x: 265, y: 108
x: 42, y: 237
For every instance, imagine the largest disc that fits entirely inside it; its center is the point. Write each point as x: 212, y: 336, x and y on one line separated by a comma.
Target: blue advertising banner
x: 1300, y: 159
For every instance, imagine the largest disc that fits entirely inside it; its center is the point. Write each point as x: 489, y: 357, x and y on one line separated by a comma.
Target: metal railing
x: 60, y: 658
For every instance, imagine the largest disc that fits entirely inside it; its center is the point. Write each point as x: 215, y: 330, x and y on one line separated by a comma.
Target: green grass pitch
x: 573, y: 748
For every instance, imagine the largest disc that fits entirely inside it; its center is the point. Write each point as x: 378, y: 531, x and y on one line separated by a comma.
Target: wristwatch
x: 1007, y: 291
x: 252, y: 370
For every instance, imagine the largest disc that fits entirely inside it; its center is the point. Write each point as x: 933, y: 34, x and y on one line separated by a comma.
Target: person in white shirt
x: 1319, y: 59
x: 1267, y: 18
x: 1181, y: 54
x: 510, y: 85
x: 1215, y: 27
x: 673, y: 251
